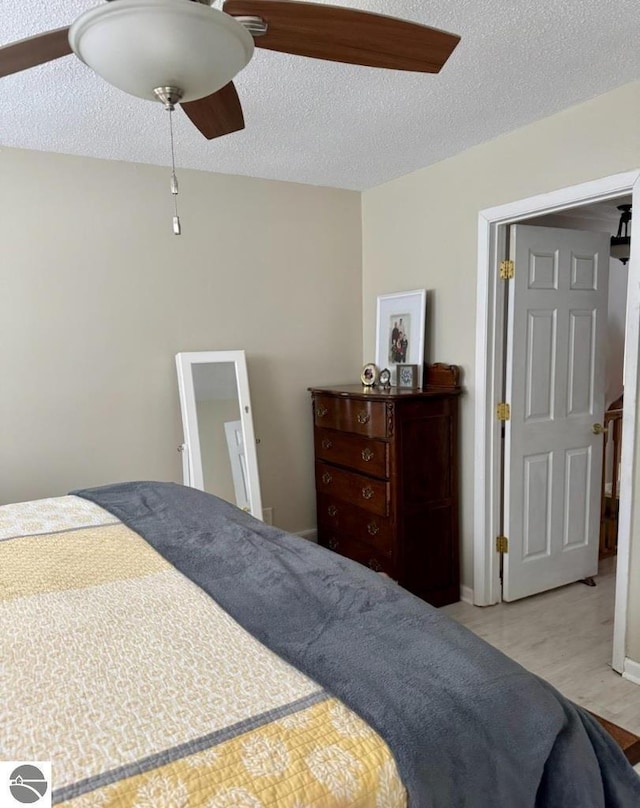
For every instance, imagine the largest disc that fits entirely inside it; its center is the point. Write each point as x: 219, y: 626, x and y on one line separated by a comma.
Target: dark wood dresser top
x: 382, y: 393
x: 439, y: 379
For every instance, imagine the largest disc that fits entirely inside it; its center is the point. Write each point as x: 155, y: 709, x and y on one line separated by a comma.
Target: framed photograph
x: 407, y: 376
x: 369, y: 375
x: 400, y: 329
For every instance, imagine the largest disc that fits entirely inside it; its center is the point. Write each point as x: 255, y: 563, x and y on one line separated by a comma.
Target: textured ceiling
x: 329, y: 124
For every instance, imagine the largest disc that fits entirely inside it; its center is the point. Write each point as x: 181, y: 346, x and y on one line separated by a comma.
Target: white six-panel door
x: 555, y: 387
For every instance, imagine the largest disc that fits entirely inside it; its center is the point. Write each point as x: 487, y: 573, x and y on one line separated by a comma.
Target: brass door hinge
x: 507, y: 270
x: 503, y: 411
x: 502, y: 544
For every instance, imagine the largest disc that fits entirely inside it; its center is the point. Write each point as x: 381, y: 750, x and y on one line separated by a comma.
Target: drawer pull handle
x: 321, y: 412
x: 374, y: 565
x: 363, y: 417
x: 332, y: 510
x: 367, y: 492
x: 326, y: 478
x: 326, y: 443
x: 332, y: 543
x: 367, y: 455
x: 373, y: 529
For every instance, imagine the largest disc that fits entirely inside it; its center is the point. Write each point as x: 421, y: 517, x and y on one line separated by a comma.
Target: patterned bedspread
x: 143, y: 692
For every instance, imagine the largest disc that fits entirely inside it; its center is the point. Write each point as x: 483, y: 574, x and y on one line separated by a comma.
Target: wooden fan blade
x: 35, y: 50
x: 217, y: 114
x: 346, y: 35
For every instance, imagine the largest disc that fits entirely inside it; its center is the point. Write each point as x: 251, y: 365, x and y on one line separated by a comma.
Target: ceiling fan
x: 188, y: 51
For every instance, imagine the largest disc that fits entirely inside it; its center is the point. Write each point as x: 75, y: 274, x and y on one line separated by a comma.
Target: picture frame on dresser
x: 407, y: 376
x: 401, y: 320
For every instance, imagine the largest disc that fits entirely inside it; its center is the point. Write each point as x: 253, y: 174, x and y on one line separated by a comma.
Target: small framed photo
x: 407, y: 376
x: 369, y: 375
x: 385, y: 378
x: 400, y: 331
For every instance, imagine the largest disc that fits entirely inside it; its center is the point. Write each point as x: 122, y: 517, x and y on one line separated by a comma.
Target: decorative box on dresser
x: 387, y: 479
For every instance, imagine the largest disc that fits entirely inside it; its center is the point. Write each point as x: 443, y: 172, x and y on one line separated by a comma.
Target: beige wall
x: 97, y: 296
x: 421, y: 231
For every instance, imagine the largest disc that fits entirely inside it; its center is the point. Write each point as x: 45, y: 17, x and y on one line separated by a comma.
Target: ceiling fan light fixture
x: 621, y: 243
x: 139, y: 45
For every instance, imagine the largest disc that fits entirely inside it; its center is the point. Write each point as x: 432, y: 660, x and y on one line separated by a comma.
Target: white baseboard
x: 631, y: 671
x: 309, y: 535
x: 466, y: 594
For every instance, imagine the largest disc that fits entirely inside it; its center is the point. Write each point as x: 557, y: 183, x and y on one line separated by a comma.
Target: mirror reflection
x: 219, y: 452
x: 220, y: 428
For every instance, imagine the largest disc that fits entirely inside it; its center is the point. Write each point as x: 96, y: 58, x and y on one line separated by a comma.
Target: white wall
x: 421, y: 231
x: 97, y: 296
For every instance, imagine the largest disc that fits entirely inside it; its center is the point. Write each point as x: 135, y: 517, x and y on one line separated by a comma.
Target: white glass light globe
x: 138, y: 45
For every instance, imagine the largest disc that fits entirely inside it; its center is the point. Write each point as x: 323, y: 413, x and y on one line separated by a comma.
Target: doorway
x: 490, y: 361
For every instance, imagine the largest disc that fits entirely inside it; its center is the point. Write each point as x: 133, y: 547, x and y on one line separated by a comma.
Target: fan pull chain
x: 170, y: 96
x: 174, y: 180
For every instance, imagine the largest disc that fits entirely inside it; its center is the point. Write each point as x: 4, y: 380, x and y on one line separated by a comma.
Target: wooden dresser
x: 387, y: 480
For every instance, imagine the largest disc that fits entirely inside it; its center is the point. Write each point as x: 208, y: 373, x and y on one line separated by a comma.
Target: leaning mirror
x: 219, y: 450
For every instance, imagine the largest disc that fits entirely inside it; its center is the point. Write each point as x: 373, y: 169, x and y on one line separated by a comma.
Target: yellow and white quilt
x: 144, y: 693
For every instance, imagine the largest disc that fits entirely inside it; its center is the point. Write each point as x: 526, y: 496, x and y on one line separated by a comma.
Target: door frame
x: 489, y: 358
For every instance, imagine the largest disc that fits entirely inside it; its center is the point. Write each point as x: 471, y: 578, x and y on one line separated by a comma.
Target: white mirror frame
x: 192, y: 463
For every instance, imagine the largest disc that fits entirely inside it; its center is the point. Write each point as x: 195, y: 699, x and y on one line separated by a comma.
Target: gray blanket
x: 467, y: 726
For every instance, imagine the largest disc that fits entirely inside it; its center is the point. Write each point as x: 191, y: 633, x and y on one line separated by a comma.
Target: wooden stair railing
x: 609, y: 500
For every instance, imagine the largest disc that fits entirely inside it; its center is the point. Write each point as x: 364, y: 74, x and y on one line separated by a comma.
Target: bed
x: 165, y: 649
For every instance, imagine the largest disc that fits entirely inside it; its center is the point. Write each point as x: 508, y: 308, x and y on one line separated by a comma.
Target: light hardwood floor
x: 564, y: 636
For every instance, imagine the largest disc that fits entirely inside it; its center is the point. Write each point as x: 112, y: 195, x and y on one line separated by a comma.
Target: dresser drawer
x: 337, y: 518
x: 346, y: 546
x: 365, y: 492
x: 357, y: 452
x: 351, y: 415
